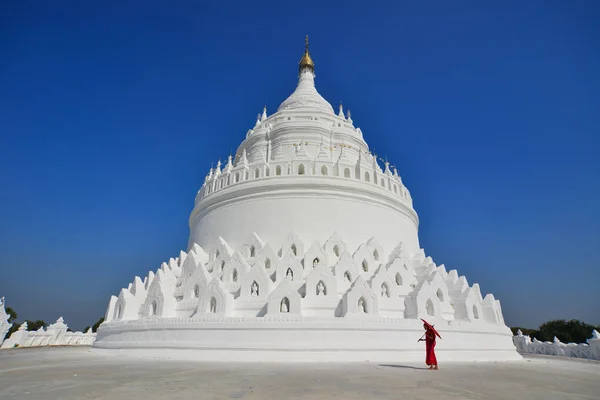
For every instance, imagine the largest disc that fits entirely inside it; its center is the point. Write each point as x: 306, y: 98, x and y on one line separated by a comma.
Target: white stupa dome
x: 306, y: 96
x: 302, y: 247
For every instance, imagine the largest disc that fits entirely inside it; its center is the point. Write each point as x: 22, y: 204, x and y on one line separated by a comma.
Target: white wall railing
x: 55, y: 335
x: 589, y: 350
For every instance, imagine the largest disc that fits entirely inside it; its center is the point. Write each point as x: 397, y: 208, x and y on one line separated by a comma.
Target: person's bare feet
x: 436, y: 367
x: 430, y: 367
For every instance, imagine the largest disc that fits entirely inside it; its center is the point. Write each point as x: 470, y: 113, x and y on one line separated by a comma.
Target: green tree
x: 35, y: 325
x: 12, y: 315
x: 31, y: 326
x: 97, y: 324
x: 573, y: 331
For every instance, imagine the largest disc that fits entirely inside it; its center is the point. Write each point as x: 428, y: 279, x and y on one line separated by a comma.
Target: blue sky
x: 111, y: 114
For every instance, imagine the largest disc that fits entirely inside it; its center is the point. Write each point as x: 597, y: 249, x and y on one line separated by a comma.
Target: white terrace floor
x: 77, y: 373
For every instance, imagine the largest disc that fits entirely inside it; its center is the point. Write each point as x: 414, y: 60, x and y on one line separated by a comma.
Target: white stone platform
x: 77, y: 373
x: 302, y: 340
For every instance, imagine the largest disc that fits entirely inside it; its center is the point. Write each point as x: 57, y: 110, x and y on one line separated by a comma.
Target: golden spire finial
x: 306, y: 61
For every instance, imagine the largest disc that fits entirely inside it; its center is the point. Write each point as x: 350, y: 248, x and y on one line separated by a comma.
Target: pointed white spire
x: 341, y: 113
x: 301, y: 149
x: 376, y: 166
x: 349, y: 116
x: 306, y: 95
x: 323, y: 152
x: 218, y: 169
x: 257, y: 120
x: 229, y: 165
x: 264, y: 114
x: 387, y: 168
x: 244, y: 159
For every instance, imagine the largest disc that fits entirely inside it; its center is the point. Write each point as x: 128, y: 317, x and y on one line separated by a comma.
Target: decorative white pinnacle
x: 229, y: 165
x: 264, y: 114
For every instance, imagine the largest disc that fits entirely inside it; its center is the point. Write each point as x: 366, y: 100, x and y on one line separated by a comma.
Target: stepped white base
x: 303, y: 340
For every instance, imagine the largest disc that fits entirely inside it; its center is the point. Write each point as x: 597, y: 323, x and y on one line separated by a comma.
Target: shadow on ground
x: 402, y: 366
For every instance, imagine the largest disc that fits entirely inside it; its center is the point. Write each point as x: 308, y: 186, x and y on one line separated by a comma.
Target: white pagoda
x: 303, y: 248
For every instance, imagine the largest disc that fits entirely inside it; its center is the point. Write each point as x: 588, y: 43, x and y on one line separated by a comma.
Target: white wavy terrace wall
x: 55, y: 335
x: 589, y: 350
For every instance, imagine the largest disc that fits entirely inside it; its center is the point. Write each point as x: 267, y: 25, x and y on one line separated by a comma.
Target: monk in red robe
x: 430, y: 358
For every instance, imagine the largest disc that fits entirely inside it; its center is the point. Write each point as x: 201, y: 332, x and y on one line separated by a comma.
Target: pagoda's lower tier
x: 322, y: 302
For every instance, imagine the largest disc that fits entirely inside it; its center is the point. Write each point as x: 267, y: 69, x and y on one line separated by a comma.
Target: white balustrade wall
x: 589, y: 350
x: 55, y: 335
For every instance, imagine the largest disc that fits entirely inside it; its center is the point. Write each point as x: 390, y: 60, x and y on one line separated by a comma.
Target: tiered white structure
x: 302, y: 248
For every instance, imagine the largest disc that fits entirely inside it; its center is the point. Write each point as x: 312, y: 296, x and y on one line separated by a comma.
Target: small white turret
x: 229, y: 165
x: 244, y: 159
x: 264, y: 114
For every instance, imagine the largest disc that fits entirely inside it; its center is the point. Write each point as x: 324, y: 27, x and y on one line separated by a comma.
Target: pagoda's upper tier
x: 306, y: 95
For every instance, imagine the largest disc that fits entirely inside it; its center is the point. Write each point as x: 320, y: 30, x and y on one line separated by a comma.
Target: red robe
x: 430, y: 358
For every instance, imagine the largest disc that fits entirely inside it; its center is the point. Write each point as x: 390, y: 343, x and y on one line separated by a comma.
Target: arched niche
x: 475, y: 312
x: 212, y: 305
x: 362, y: 305
x: 385, y: 290
x: 440, y: 295
x: 429, y: 308
x: 398, y: 279
x: 284, y: 306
